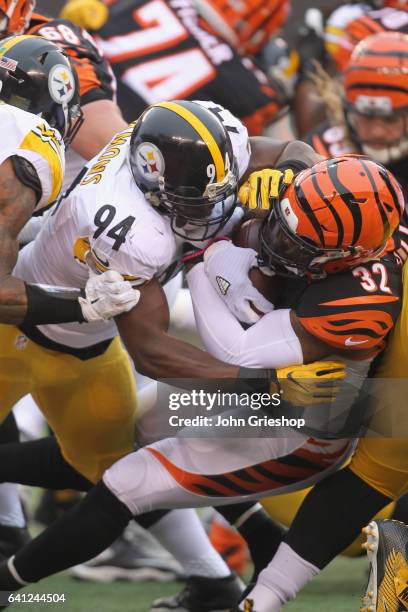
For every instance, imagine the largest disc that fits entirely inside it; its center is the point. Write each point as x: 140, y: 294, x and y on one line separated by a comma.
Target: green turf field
x: 338, y: 589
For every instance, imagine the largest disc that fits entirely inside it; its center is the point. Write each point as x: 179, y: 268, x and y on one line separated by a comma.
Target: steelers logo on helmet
x: 61, y: 84
x: 149, y: 162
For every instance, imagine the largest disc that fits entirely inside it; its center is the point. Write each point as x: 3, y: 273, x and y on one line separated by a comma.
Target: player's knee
x: 135, y: 479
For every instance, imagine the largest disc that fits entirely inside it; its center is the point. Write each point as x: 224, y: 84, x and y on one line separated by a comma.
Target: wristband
x: 47, y: 305
x: 259, y: 380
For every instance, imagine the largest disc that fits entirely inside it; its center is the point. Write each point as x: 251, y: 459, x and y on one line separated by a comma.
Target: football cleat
x: 134, y: 557
x: 387, y: 550
x: 203, y: 595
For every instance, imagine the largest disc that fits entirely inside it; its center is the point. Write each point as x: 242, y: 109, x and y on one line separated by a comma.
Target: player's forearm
x: 159, y: 355
x: 269, y: 343
x: 102, y: 120
x: 26, y: 304
x: 13, y: 300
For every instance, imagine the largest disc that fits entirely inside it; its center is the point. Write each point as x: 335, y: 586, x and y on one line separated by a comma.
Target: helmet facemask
x: 199, y: 217
x: 289, y: 255
x: 390, y: 152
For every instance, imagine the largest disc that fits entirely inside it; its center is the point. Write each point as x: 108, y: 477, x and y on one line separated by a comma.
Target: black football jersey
x: 161, y: 50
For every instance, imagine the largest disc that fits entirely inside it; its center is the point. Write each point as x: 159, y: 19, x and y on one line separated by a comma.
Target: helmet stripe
x: 381, y: 210
x: 336, y: 216
x: 349, y: 200
x: 9, y: 43
x: 203, y: 132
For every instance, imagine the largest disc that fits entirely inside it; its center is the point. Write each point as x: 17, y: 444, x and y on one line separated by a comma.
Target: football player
x: 191, y: 472
x: 36, y: 77
x: 39, y: 101
x: 351, y: 23
x: 132, y: 209
x: 96, y: 83
x: 180, y: 55
x: 370, y: 115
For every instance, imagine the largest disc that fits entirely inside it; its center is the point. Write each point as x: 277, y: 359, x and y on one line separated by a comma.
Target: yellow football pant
x: 383, y: 462
x: 90, y: 405
x: 380, y: 462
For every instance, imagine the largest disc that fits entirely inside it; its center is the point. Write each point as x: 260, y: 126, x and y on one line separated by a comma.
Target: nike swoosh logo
x: 351, y: 342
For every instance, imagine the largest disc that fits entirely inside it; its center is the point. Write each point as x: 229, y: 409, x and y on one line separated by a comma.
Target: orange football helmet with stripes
x: 15, y: 16
x: 247, y: 24
x: 335, y: 215
x: 376, y: 85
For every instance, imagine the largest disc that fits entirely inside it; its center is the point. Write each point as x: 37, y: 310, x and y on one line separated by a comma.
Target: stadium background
x: 341, y: 583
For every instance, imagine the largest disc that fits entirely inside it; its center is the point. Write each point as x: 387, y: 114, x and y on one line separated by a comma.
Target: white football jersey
x: 29, y: 136
x: 105, y: 223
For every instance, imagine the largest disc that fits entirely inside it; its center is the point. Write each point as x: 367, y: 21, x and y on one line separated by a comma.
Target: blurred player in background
x: 184, y: 53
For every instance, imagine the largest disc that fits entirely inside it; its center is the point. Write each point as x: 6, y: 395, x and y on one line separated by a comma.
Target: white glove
x: 107, y: 295
x: 227, y: 267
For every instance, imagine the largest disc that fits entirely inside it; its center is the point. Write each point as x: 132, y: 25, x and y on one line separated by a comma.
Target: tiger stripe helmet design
x: 335, y: 215
x: 376, y: 85
x: 376, y: 78
x: 246, y: 25
x: 182, y: 159
x: 15, y: 16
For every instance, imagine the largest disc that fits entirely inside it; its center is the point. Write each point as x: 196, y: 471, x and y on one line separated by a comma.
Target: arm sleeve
x: 269, y: 343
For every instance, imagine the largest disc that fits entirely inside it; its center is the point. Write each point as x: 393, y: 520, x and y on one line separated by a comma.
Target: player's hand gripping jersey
x: 159, y: 50
x: 105, y: 222
x: 30, y: 137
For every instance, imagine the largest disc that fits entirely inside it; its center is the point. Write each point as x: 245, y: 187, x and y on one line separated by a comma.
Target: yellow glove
x: 315, y: 383
x: 256, y: 192
x: 88, y: 14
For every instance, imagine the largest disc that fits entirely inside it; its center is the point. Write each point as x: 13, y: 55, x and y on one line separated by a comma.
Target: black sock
x: 7, y: 581
x: 259, y: 530
x: 79, y: 535
x: 39, y: 463
x: 332, y: 516
x: 9, y: 430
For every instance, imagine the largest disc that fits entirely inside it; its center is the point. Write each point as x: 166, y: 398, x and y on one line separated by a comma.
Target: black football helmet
x: 36, y: 76
x: 182, y: 159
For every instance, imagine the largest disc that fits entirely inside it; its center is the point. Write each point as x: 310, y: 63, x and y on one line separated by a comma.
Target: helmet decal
x: 61, y: 84
x: 8, y: 64
x: 150, y: 162
x: 39, y: 78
